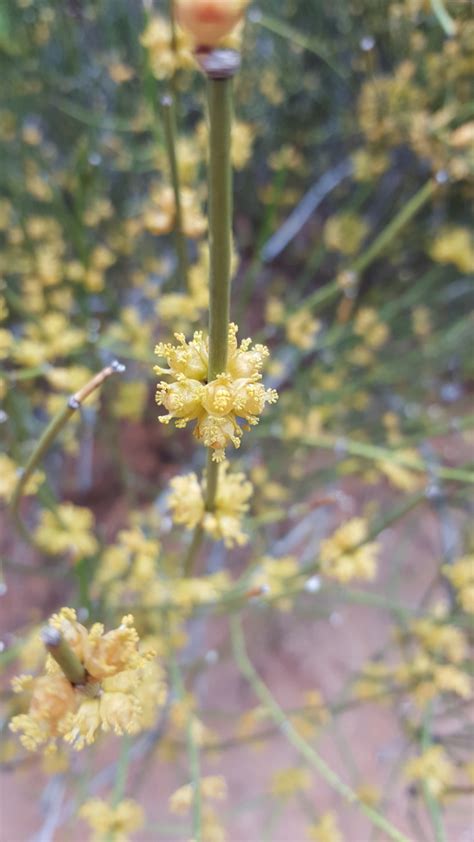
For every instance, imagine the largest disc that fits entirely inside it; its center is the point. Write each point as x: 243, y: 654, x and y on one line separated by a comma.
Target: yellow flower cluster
x: 213, y: 787
x: 347, y: 555
x: 433, y: 768
x: 109, y: 699
x: 461, y: 576
x: 160, y: 215
x: 235, y: 394
x: 113, y: 823
x: 345, y: 232
x: 326, y: 830
x: 288, y: 782
x: 9, y: 474
x: 187, y: 307
x: 187, y: 505
x: 166, y: 58
x: 454, y: 245
x: 67, y: 529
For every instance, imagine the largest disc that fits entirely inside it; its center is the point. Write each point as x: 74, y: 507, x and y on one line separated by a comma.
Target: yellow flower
x: 113, y: 823
x: 454, y: 245
x: 216, y: 406
x: 368, y: 326
x: 326, y: 830
x: 67, y: 529
x: 345, y: 232
x: 9, y: 474
x: 208, y: 21
x: 109, y: 699
x: 441, y: 639
x: 301, y: 329
x: 233, y: 491
x: 287, y: 782
x: 213, y: 787
x: 345, y: 556
x: 433, y: 768
x: 164, y: 60
x: 461, y: 576
x: 160, y: 216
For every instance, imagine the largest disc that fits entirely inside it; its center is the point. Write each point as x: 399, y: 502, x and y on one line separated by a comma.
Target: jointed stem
x: 168, y: 109
x: 51, y: 433
x: 293, y: 737
x: 220, y: 256
x: 220, y: 221
x: 64, y: 656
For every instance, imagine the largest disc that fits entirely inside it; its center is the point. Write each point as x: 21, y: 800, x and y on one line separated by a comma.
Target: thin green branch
x: 444, y: 18
x: 193, y: 753
x: 311, y: 756
x: 49, y: 436
x: 168, y: 111
x: 64, y: 656
x: 378, y: 246
x: 220, y: 220
x: 431, y: 802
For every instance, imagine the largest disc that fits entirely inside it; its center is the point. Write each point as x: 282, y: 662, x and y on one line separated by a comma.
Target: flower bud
x: 209, y: 20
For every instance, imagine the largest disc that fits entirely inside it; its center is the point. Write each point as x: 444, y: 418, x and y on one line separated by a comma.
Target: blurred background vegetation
x: 353, y: 155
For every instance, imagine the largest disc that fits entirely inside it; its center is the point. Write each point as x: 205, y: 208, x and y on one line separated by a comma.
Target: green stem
x: 50, y: 434
x: 220, y: 221
x: 311, y: 756
x: 194, y: 547
x: 386, y: 236
x: 431, y: 802
x: 63, y: 655
x: 193, y: 753
x: 445, y: 20
x: 168, y: 110
x: 212, y: 477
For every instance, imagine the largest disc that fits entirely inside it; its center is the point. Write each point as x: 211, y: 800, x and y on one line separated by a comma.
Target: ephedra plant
x: 84, y: 680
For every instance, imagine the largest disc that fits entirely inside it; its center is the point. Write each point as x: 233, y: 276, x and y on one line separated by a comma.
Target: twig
x: 51, y: 433
x: 294, y: 738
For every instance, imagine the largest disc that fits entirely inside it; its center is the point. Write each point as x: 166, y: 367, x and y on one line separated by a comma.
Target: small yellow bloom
x: 433, y: 768
x: 110, y: 699
x: 346, y: 555
x: 326, y: 830
x: 114, y: 823
x: 218, y: 405
x: 288, y: 782
x: 67, y: 529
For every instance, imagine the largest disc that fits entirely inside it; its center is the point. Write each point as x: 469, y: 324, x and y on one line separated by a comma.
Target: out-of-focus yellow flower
x: 345, y: 555
x: 287, y: 782
x: 186, y: 502
x: 216, y: 406
x: 213, y: 787
x: 208, y: 21
x: 160, y: 216
x: 461, y: 576
x: 454, y: 245
x: 114, y: 823
x: 130, y: 400
x: 433, y: 768
x: 440, y: 639
x: 326, y: 830
x: 67, y: 529
x: 164, y: 60
x: 301, y: 329
x: 109, y: 699
x: 345, y: 232
x: 9, y: 474
x: 368, y: 326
